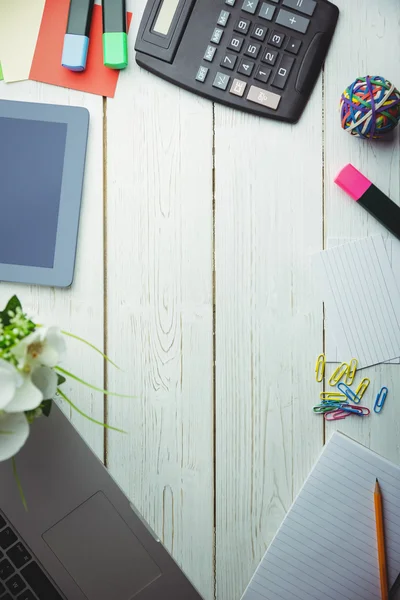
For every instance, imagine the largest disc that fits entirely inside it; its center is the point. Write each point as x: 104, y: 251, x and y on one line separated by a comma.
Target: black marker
x: 76, y: 40
x: 115, y: 39
x: 364, y: 192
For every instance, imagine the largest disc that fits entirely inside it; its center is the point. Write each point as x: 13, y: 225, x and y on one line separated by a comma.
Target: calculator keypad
x: 250, y: 6
x: 242, y: 26
x: 267, y: 11
x: 304, y: 6
x: 236, y: 43
x: 246, y: 67
x: 238, y: 87
x: 259, y: 32
x: 254, y: 40
x: 221, y: 81
x: 229, y: 61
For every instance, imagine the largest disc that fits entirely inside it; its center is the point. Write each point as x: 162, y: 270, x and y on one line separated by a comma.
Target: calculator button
x: 209, y: 53
x: 293, y: 45
x: 276, y: 39
x: 253, y: 50
x: 242, y: 26
x: 263, y: 97
x: 201, y: 74
x: 270, y: 57
x: 283, y: 72
x: 267, y: 11
x: 259, y: 32
x: 238, y: 87
x: 304, y: 6
x: 223, y: 18
x: 217, y: 35
x: 229, y: 61
x: 263, y: 74
x: 292, y: 21
x: 246, y: 67
x: 221, y: 81
x: 230, y: 2
x: 236, y: 44
x: 250, y: 6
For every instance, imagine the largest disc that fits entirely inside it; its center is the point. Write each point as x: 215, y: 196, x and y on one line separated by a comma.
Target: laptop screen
x: 31, y: 169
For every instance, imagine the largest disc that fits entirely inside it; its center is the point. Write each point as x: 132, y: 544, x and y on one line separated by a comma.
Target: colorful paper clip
x: 336, y: 415
x: 320, y: 368
x: 362, y: 387
x: 361, y: 411
x: 351, y: 371
x: 348, y: 392
x: 332, y: 396
x: 380, y: 399
x: 338, y: 374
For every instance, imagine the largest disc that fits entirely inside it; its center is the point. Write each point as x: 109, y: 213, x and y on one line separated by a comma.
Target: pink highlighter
x: 364, y: 192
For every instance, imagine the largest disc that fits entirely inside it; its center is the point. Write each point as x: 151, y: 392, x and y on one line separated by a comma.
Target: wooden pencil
x: 380, y: 535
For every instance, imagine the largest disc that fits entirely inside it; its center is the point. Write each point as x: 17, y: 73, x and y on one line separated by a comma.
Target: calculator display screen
x: 165, y: 16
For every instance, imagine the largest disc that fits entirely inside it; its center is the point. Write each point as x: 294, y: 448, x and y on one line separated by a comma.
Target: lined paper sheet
x: 361, y: 294
x: 332, y: 353
x: 326, y: 547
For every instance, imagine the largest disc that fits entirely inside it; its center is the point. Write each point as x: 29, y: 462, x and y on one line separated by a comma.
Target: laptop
x: 80, y: 539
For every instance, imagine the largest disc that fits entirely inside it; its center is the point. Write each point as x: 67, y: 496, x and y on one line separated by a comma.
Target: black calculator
x: 260, y: 57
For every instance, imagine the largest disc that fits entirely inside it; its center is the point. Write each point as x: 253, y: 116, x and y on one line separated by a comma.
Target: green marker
x: 115, y: 39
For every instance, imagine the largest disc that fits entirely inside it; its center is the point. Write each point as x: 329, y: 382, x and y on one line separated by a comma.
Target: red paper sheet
x: 46, y: 65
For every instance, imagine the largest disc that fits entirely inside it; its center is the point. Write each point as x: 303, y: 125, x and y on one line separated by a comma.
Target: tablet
x: 42, y: 159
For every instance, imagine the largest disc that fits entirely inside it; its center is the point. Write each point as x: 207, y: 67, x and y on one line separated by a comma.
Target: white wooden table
x: 194, y: 274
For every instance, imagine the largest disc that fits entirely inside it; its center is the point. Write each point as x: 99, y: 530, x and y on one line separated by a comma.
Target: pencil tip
x: 377, y: 480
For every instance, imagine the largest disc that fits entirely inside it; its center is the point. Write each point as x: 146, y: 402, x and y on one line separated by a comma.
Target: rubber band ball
x: 370, y: 107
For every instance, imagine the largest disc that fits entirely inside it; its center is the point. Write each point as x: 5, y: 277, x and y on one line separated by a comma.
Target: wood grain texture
x: 269, y: 328
x: 78, y: 309
x: 159, y: 290
x: 369, y: 26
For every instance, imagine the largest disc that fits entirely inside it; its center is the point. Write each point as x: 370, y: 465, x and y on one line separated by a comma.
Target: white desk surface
x: 193, y: 273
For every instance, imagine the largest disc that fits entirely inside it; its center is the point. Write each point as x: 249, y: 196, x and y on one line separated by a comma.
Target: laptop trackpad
x: 100, y: 551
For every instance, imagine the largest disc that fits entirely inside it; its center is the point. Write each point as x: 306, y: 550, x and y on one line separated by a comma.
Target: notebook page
x: 326, y: 547
x: 393, y: 251
x: 363, y: 300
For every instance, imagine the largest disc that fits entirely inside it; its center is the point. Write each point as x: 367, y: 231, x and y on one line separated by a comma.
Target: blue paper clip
x: 380, y: 399
x: 348, y: 392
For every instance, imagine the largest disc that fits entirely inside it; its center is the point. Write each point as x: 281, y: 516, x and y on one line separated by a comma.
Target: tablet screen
x: 31, y: 169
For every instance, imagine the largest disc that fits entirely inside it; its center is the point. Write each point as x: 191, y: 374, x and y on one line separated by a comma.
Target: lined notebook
x: 326, y: 547
x: 392, y: 247
x: 363, y: 300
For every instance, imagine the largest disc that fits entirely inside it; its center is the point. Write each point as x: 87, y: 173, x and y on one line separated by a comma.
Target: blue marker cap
x: 75, y: 52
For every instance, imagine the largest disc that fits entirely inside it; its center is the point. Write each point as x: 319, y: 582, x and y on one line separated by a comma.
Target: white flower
x: 45, y: 346
x: 10, y: 380
x: 14, y: 431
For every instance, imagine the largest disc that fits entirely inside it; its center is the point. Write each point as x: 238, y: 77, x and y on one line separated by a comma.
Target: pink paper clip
x: 336, y: 415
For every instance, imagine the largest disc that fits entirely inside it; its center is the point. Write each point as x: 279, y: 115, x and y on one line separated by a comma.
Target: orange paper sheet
x: 46, y: 65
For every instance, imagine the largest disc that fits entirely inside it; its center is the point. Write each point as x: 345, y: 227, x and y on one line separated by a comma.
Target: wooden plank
x: 78, y: 309
x: 159, y: 318
x: 359, y: 48
x: 269, y: 328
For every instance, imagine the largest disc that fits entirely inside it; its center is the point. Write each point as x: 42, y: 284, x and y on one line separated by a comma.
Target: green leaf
x: 60, y: 379
x: 89, y: 385
x: 19, y: 485
x: 46, y: 407
x: 92, y: 346
x: 78, y: 410
x: 12, y: 304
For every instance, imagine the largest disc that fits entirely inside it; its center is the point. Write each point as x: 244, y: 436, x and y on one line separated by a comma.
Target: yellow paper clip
x: 335, y: 396
x: 351, y: 371
x: 338, y: 374
x: 362, y: 387
x: 320, y: 368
